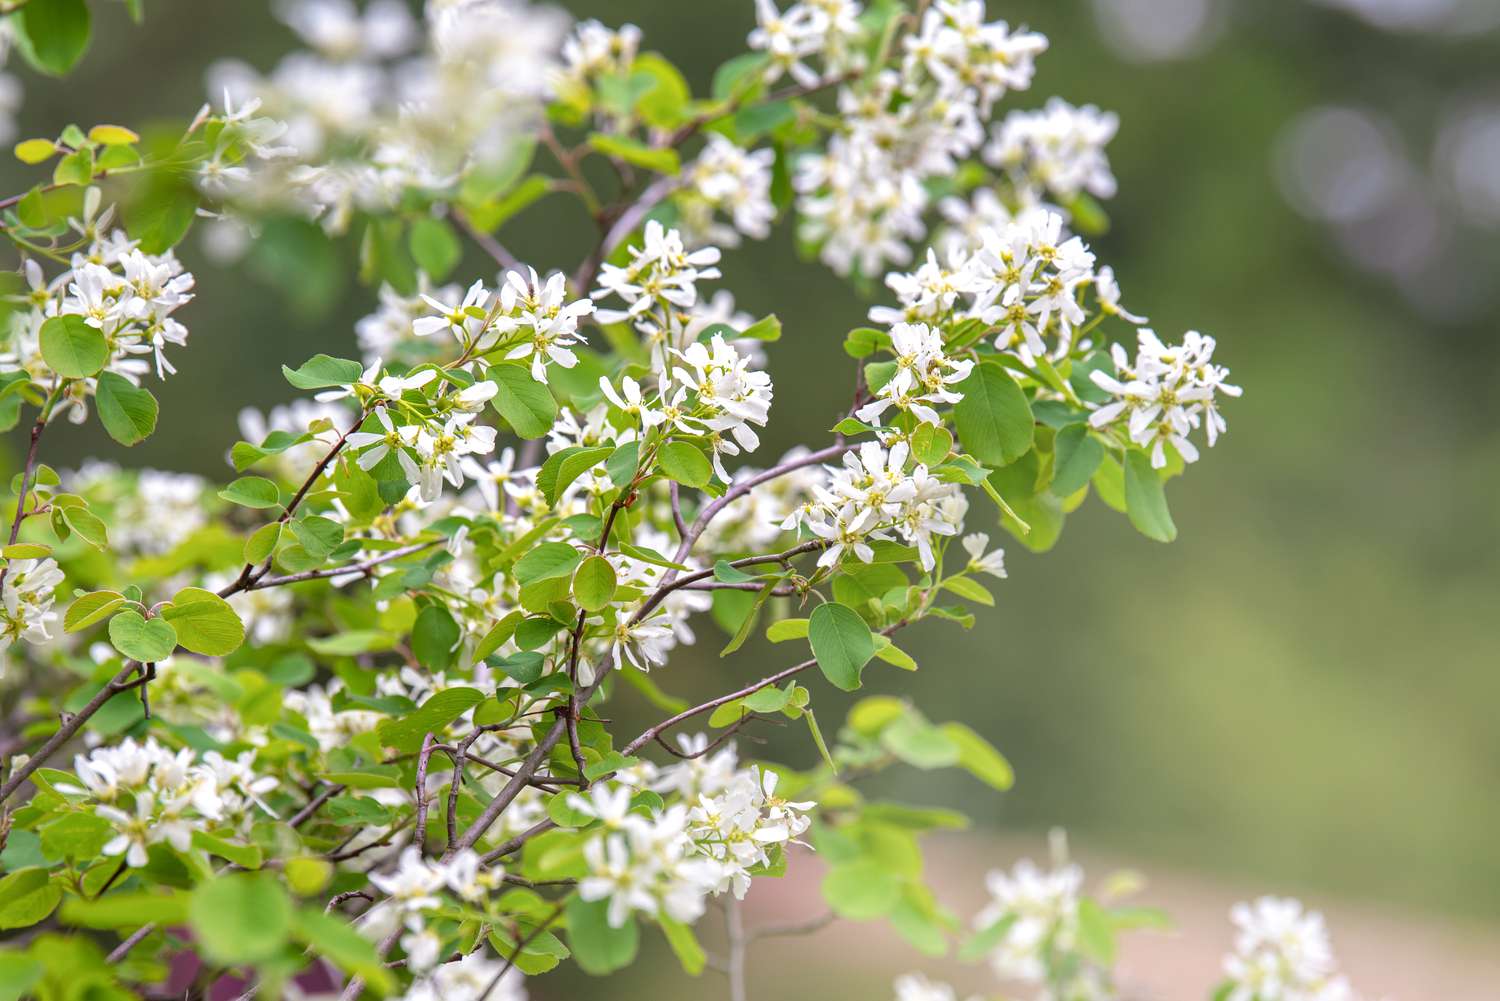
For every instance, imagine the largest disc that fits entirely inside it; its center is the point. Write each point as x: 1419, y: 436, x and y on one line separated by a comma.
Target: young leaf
x: 205, y: 623
x: 142, y: 639
x: 1145, y: 500
x: 433, y: 716
x: 551, y: 559
x: 594, y: 583
x: 52, y: 34
x: 526, y: 404
x: 685, y: 463
x: 1078, y: 455
x: 841, y: 642
x: 598, y: 947
x: 127, y: 412
x: 322, y: 371
x: 241, y: 918
x: 994, y: 418
x: 72, y: 348
x: 252, y: 492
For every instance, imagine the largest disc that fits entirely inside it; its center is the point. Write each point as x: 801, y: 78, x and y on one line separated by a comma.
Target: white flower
x: 26, y: 597
x: 1164, y: 394
x: 1282, y: 953
x: 465, y: 320
x: 1060, y: 148
x: 992, y: 563
x: 378, y: 445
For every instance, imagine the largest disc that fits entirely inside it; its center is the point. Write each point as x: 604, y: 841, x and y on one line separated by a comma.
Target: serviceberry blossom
x: 1282, y: 953
x: 733, y: 181
x: 661, y: 276
x: 1164, y: 394
x: 1060, y: 148
x: 26, y: 596
x: 923, y: 378
x: 593, y: 51
x: 730, y: 395
x: 152, y: 794
x: 667, y: 862
x: 874, y: 496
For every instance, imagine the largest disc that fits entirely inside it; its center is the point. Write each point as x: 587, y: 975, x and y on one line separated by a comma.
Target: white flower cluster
x: 26, y: 596
x: 1282, y: 953
x: 863, y: 199
x: 737, y: 182
x: 1026, y: 280
x: 1042, y: 905
x: 1060, y: 148
x: 923, y: 378
x: 916, y: 987
x: 821, y: 29
x: 873, y: 496
x: 472, y: 978
x: 1164, y: 394
x: 708, y: 389
x: 127, y: 295
x: 594, y: 50
x: 728, y: 821
x: 373, y: 108
x: 413, y: 889
x: 533, y: 316
x: 152, y: 794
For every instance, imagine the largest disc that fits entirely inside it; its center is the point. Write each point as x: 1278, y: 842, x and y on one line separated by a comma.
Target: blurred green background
x: 1301, y: 692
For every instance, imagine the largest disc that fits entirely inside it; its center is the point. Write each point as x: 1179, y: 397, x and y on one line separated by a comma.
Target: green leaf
x: 91, y: 608
x: 244, y: 856
x: 685, y: 463
x: 252, y: 492
x: 599, y: 948
x: 524, y: 666
x: 26, y: 897
x: 26, y: 551
x: 661, y: 160
x: 262, y: 543
x: 434, y: 637
x: 817, y: 736
x: 35, y: 151
x: 440, y: 709
x: 786, y: 629
x: 322, y: 371
x: 112, y: 135
x: 244, y: 454
x: 562, y: 468
x: 53, y: 34
x: 664, y: 104
x: 89, y: 526
x: 76, y: 835
x: 127, y: 412
x: 318, y: 535
x: 164, y: 212
x: 841, y: 642
x: 241, y: 918
x: 968, y: 587
x: 1145, y: 500
x: 77, y: 168
x: 1096, y: 937
x: 1078, y: 455
x: 767, y: 328
x: 72, y: 348
x: 549, y: 560
x: 994, y: 418
x: 987, y: 939
x: 142, y: 639
x: 337, y: 941
x: 526, y: 404
x: 979, y: 757
x: 435, y: 247
x: 127, y: 910
x: 919, y: 743
x: 205, y: 623
x: 862, y: 890
x: 738, y: 74
x: 594, y: 583
x: 684, y: 945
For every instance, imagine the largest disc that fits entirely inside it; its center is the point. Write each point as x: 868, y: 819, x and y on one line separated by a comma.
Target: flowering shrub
x: 349, y: 709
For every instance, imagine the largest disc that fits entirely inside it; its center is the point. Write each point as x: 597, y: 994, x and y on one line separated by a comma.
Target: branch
x: 352, y: 568
x: 671, y: 583
x: 71, y: 725
x: 487, y: 243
